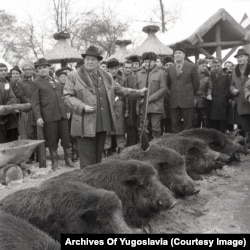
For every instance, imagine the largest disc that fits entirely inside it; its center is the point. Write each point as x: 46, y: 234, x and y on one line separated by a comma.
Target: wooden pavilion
x: 122, y: 52
x: 62, y: 52
x: 221, y: 31
x: 152, y: 43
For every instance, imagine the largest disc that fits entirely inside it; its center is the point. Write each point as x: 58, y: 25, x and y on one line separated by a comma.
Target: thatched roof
x: 122, y: 52
x: 62, y: 51
x: 152, y: 43
x: 231, y: 33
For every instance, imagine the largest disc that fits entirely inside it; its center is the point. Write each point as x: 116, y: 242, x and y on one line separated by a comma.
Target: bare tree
x: 163, y: 27
x: 167, y: 14
x: 101, y: 30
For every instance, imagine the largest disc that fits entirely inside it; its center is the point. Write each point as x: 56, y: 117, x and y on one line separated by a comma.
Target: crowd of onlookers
x: 72, y: 104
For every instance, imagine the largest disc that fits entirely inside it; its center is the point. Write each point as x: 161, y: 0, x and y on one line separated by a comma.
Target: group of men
x: 100, y: 103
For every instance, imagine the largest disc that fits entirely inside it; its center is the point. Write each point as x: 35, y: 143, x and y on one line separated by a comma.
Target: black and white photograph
x: 123, y: 117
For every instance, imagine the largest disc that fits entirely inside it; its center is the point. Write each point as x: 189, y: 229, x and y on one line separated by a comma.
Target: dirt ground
x: 222, y: 205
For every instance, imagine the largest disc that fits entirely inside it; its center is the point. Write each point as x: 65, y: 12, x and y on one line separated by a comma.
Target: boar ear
x: 193, y: 151
x: 132, y: 180
x: 89, y: 215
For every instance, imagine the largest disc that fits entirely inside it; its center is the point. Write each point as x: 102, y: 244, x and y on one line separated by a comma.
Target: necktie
x: 178, y: 69
x: 51, y: 81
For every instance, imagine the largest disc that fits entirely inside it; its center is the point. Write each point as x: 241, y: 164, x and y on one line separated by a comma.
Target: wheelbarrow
x: 12, y: 154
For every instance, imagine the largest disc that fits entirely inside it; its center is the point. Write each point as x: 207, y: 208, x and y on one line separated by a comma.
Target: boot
x: 74, y: 153
x: 67, y: 158
x: 247, y: 140
x: 54, y: 159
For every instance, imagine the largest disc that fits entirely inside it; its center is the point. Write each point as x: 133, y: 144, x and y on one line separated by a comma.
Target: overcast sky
x: 135, y: 12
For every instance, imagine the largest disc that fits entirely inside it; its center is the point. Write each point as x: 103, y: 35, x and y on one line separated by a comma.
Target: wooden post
x: 218, y: 40
x: 41, y: 148
x: 229, y: 53
x: 203, y: 51
x: 196, y: 56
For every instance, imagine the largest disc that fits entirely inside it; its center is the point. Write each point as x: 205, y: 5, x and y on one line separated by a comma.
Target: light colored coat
x: 79, y: 91
x: 157, y: 88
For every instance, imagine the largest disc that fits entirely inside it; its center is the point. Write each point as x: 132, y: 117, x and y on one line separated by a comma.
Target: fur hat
x: 149, y: 56
x: 93, y: 51
x: 179, y: 47
x: 42, y: 62
x: 134, y: 58
x: 113, y: 62
x: 167, y: 59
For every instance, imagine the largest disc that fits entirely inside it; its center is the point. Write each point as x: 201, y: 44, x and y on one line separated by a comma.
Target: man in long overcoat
x: 90, y: 93
x: 240, y: 76
x: 219, y: 94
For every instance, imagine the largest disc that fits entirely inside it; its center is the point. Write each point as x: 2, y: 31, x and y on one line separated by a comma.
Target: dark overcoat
x: 219, y: 87
x: 46, y: 101
x: 238, y: 82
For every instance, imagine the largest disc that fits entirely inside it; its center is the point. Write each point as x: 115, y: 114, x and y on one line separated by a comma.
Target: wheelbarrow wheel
x: 11, y: 172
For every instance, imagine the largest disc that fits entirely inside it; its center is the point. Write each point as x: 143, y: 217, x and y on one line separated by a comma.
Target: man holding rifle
x: 152, y: 76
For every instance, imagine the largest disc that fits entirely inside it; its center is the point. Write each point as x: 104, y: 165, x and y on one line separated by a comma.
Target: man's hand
x: 40, y: 122
x: 68, y: 115
x: 89, y: 109
x: 235, y: 91
x: 143, y: 91
x: 209, y: 97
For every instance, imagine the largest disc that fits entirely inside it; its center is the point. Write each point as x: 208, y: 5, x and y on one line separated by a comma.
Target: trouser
x: 155, y: 121
x: 53, y: 131
x: 91, y: 149
x: 165, y: 125
x: 177, y: 114
x: 219, y: 125
x: 200, y: 118
x: 3, y: 134
x: 12, y: 134
x: 132, y: 136
x: 245, y: 122
x: 119, y: 142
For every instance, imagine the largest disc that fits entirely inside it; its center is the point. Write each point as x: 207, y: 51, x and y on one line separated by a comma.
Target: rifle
x: 144, y: 141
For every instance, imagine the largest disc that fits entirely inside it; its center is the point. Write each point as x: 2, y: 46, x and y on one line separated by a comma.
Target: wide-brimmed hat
x: 241, y: 52
x: 42, y: 62
x: 93, y: 51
